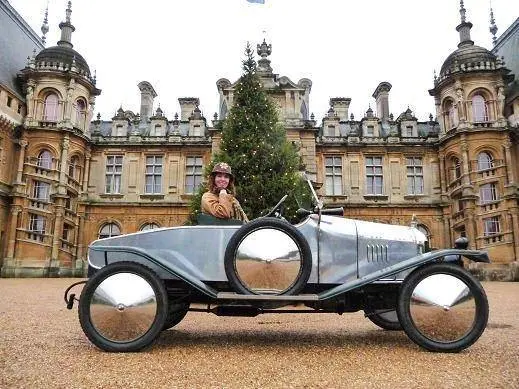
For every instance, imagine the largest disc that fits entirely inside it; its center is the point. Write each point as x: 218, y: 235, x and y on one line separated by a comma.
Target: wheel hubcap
x: 268, y: 261
x: 442, y: 308
x: 123, y: 307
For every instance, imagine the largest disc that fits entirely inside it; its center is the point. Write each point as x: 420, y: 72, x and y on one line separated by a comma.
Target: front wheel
x: 123, y: 307
x: 442, y: 307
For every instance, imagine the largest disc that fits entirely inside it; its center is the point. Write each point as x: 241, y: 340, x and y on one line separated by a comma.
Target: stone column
x: 443, y: 184
x: 79, y: 241
x: 508, y: 162
x: 21, y: 160
x: 86, y: 172
x: 11, y: 240
x: 515, y: 232
x: 64, y: 166
x: 465, y: 161
x: 58, y: 231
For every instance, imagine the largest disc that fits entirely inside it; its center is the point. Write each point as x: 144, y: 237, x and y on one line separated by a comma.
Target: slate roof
x: 17, y: 42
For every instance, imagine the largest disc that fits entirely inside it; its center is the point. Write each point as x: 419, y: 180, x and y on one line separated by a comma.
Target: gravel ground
x: 42, y: 346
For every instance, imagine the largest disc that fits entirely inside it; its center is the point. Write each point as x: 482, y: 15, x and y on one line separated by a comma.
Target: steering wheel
x: 276, y: 207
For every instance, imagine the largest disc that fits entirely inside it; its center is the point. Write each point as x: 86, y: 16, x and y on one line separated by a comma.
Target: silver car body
x: 343, y: 250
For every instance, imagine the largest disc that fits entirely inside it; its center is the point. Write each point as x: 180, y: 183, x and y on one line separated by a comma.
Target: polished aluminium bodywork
x: 347, y: 248
x: 346, y: 253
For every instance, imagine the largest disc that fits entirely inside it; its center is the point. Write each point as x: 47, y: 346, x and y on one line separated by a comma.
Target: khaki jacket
x: 223, y: 206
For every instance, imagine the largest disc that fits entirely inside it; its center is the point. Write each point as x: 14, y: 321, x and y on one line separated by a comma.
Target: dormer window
x: 479, y: 109
x: 330, y: 131
x: 408, y: 131
x: 156, y: 131
x: 197, y: 130
x: 50, y: 108
x: 370, y: 131
x: 119, y: 130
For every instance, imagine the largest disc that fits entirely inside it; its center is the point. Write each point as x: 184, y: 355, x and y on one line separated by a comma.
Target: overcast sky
x: 346, y: 48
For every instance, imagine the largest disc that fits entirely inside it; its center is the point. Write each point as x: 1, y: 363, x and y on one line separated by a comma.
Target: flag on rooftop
x: 257, y: 1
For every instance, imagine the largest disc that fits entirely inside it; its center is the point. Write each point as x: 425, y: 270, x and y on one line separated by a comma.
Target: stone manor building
x: 68, y: 178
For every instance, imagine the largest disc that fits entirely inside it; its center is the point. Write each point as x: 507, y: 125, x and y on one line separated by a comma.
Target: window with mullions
x: 488, y: 193
x: 153, y: 175
x: 414, y: 175
x: 374, y: 178
x: 485, y: 161
x: 37, y: 226
x: 45, y: 159
x: 41, y: 190
x: 149, y: 226
x: 491, y: 226
x: 193, y: 174
x: 479, y: 109
x: 114, y: 168
x: 109, y: 230
x: 333, y: 173
x: 50, y: 108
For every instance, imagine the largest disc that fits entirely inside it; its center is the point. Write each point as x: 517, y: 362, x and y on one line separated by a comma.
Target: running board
x: 266, y: 297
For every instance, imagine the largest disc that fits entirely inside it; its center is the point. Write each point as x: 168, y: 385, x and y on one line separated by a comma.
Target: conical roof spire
x: 464, y: 28
x: 66, y: 28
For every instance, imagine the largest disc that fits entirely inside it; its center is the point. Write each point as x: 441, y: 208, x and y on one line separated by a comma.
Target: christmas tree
x: 264, y: 163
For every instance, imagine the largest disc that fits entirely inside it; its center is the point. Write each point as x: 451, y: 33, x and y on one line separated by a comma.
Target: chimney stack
x: 147, y: 96
x: 340, y: 106
x: 187, y: 106
x: 381, y: 96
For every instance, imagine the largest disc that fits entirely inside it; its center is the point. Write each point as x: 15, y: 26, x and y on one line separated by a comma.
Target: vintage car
x: 143, y: 283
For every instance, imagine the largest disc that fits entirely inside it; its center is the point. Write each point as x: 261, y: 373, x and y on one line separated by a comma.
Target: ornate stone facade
x: 66, y: 179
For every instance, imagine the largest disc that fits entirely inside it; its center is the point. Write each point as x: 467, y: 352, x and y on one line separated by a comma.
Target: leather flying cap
x: 222, y: 167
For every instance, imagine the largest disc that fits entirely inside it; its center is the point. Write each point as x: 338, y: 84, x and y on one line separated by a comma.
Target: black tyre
x: 268, y: 256
x: 442, y: 307
x: 385, y: 319
x: 176, y: 312
x: 123, y: 307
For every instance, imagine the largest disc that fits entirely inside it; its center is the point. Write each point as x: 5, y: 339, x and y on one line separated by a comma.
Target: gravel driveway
x: 42, y: 346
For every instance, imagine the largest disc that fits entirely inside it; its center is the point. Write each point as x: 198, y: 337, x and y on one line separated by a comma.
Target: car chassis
x: 143, y: 283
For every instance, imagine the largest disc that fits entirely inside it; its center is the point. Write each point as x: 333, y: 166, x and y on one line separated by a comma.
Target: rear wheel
x: 384, y: 318
x: 176, y: 312
x: 442, y: 307
x: 123, y: 307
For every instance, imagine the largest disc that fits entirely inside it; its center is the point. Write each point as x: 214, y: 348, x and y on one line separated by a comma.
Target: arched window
x: 424, y: 230
x: 149, y: 226
x: 479, y: 109
x: 109, y: 230
x: 456, y: 168
x: 449, y: 114
x: 74, y: 170
x: 45, y: 159
x: 50, y: 108
x: 80, y: 108
x: 485, y: 161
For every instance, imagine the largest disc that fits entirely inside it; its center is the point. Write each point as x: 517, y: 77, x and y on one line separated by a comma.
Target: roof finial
x: 45, y: 25
x: 464, y: 28
x: 493, y: 27
x: 462, y: 11
x: 66, y: 28
x: 68, y: 11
